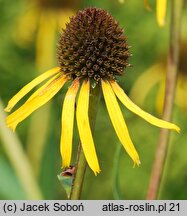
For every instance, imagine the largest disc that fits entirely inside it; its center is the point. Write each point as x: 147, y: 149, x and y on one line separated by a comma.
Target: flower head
x: 42, y: 19
x: 156, y: 74
x: 92, y: 48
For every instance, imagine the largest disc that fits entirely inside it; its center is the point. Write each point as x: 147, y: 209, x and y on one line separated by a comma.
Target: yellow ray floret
x: 67, y: 123
x: 31, y: 105
x: 44, y: 87
x: 44, y: 45
x: 135, y: 109
x: 29, y: 21
x: 151, y: 77
x: 84, y: 128
x: 161, y: 11
x: 29, y: 87
x: 118, y: 121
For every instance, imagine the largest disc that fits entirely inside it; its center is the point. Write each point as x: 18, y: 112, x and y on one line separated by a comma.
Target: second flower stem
x: 81, y: 163
x: 171, y: 77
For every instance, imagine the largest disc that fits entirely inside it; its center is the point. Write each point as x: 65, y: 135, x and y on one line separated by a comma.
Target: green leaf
x: 10, y: 187
x: 66, y: 182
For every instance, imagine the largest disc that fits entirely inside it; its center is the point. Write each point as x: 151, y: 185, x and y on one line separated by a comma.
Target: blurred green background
x: 118, y: 179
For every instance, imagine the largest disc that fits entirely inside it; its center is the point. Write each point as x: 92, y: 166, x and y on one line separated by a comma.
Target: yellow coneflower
x: 92, y: 48
x: 44, y: 18
x: 156, y: 74
x: 161, y: 6
x: 40, y: 21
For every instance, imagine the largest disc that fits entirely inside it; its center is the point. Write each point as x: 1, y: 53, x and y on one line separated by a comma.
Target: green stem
x: 18, y: 159
x: 81, y: 163
x: 171, y: 77
x: 116, y: 163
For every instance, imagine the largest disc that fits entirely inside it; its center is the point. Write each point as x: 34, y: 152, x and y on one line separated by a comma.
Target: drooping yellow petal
x: 118, y: 121
x: 84, y: 128
x: 43, y: 87
x: 67, y: 123
x: 161, y: 6
x: 151, y: 77
x: 29, y: 87
x: 45, y: 39
x: 160, y: 98
x: 29, y: 21
x: 31, y: 105
x: 134, y: 108
x: 181, y: 91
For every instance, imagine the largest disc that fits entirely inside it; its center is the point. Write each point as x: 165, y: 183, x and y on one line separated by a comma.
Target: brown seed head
x: 93, y: 46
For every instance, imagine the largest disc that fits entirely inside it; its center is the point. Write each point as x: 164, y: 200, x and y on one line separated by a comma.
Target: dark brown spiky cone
x: 93, y: 46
